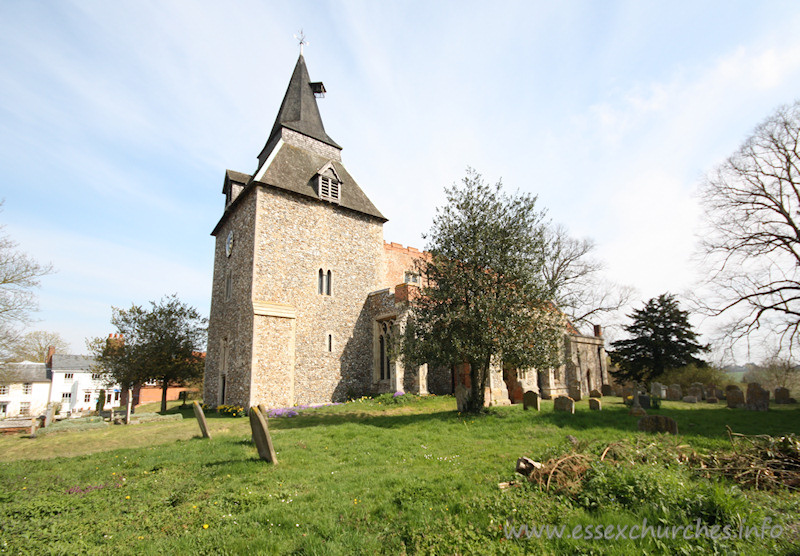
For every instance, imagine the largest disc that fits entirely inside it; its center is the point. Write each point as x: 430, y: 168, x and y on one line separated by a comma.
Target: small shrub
x: 397, y: 398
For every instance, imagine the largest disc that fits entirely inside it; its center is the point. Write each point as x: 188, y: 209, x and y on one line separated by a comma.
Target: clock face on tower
x: 229, y: 244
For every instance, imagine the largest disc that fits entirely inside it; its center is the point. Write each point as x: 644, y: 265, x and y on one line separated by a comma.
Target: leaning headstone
x: 734, y: 397
x: 530, y: 400
x: 675, y: 393
x: 564, y: 403
x: 260, y: 430
x: 757, y: 397
x: 658, y: 423
x: 595, y: 404
x: 690, y: 399
x: 575, y: 393
x: 607, y: 390
x: 595, y: 394
x: 782, y: 395
x: 201, y: 419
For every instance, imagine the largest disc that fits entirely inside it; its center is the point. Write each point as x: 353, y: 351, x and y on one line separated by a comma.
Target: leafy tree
x: 162, y: 343
x: 33, y: 346
x: 483, y: 297
x: 752, y: 246
x: 661, y: 339
x: 19, y: 275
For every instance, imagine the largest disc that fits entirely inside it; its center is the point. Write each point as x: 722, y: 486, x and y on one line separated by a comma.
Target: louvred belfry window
x: 329, y: 186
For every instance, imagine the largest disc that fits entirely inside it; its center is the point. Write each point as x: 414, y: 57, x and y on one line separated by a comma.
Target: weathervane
x: 301, y: 37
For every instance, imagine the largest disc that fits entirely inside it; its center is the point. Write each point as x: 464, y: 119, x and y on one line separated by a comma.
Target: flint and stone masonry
x: 306, y: 295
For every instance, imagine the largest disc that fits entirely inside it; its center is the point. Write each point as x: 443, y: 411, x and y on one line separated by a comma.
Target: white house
x: 76, y: 385
x: 24, y: 389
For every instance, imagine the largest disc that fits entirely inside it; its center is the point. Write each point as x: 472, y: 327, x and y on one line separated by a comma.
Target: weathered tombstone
x: 695, y: 391
x: 637, y: 409
x: 658, y: 423
x: 607, y: 390
x: 595, y: 404
x: 530, y: 399
x: 595, y: 394
x: 201, y: 419
x: 700, y: 388
x: 734, y: 396
x: 690, y: 399
x: 757, y: 397
x: 260, y: 430
x: 674, y: 393
x: 34, y: 426
x: 644, y: 401
x: 48, y: 416
x: 782, y: 395
x: 461, y: 397
x: 655, y: 389
x: 575, y: 393
x: 712, y: 400
x: 564, y: 403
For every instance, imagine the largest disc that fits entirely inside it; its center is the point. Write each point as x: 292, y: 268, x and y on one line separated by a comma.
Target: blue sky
x: 118, y: 120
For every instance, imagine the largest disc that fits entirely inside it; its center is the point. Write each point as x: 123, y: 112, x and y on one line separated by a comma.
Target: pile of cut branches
x: 758, y: 461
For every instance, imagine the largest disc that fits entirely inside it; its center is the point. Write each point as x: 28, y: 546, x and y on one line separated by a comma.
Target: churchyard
x: 387, y: 477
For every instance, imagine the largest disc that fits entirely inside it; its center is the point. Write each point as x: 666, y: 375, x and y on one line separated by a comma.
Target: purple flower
x: 398, y: 394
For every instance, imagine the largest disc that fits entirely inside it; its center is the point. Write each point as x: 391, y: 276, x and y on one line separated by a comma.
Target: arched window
x: 328, y: 284
x: 382, y: 355
x: 321, y: 282
x: 330, y: 343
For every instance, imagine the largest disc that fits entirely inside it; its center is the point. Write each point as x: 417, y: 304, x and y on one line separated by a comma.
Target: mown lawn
x: 362, y: 477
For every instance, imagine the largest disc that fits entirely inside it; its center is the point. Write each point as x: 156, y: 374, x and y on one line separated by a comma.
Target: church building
x: 306, y: 293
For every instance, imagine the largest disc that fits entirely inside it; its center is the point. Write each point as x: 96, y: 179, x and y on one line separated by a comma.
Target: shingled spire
x: 299, y: 111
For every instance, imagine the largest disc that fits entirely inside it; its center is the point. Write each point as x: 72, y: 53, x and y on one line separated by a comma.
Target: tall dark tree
x: 163, y: 343
x: 661, y: 339
x: 483, y: 296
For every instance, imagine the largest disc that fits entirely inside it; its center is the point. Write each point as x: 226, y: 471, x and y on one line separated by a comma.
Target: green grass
x: 365, y: 477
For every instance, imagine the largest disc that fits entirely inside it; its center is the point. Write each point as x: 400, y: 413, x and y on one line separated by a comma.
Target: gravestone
x: 644, y: 401
x: 712, y: 400
x: 595, y: 394
x: 690, y: 399
x: 530, y: 399
x: 655, y: 389
x: 260, y: 430
x: 48, y: 417
x: 658, y: 423
x: 564, y: 403
x: 461, y: 397
x: 674, y: 393
x: 700, y: 387
x: 607, y: 390
x: 595, y: 404
x: 575, y: 393
x: 782, y: 395
x: 734, y: 396
x: 201, y: 419
x: 757, y: 397
x: 695, y: 391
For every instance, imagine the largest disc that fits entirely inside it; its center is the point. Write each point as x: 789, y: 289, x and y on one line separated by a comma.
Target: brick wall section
x: 399, y: 260
x: 298, y: 236
x: 232, y: 319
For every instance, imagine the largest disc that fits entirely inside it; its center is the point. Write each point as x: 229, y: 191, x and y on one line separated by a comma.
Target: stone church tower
x: 299, y: 248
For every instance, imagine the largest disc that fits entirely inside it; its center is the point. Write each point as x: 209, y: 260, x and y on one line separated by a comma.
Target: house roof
x: 63, y: 362
x: 299, y: 110
x: 24, y: 372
